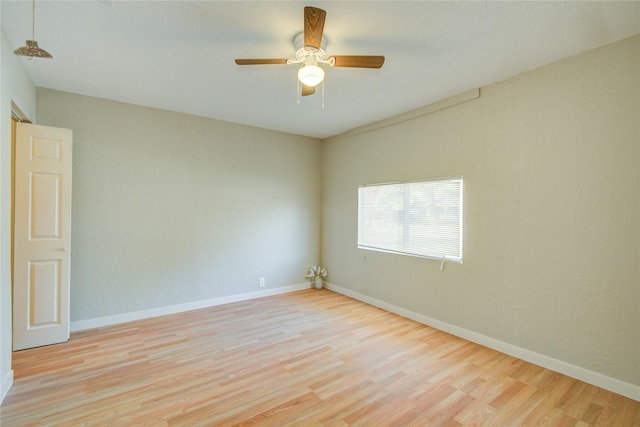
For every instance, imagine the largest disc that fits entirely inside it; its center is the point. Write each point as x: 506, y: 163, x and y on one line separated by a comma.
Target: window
x: 415, y: 218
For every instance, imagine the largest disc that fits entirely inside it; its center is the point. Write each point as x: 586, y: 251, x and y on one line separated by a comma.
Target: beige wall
x: 170, y: 208
x: 551, y: 164
x: 16, y: 87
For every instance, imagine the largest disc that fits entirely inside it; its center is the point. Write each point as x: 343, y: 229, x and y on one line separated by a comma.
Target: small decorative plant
x: 316, y: 273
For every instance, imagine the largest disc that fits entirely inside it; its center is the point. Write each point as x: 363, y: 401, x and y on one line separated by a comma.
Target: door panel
x: 45, y: 201
x: 42, y: 234
x: 44, y: 293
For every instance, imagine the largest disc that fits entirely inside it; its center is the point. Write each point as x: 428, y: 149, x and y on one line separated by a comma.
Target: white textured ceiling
x: 179, y: 55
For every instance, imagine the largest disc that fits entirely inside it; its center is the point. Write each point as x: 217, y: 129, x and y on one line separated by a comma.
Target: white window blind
x: 414, y: 218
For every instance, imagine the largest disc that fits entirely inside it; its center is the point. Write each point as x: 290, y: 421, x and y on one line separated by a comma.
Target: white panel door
x: 42, y: 231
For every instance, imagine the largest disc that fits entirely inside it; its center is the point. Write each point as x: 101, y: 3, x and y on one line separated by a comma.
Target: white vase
x: 318, y: 283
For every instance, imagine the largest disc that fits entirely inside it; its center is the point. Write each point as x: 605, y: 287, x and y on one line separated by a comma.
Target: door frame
x: 6, y: 310
x: 17, y: 116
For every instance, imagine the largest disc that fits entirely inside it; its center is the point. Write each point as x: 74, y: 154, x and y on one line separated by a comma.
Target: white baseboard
x: 608, y: 383
x: 6, y: 384
x: 81, y: 325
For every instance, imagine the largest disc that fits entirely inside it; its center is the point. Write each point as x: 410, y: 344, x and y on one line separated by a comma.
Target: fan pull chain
x: 297, y: 91
x: 323, y: 94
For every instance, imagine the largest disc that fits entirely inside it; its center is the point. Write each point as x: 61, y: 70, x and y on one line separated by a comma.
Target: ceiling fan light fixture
x: 31, y: 48
x: 311, y: 75
x: 310, y: 54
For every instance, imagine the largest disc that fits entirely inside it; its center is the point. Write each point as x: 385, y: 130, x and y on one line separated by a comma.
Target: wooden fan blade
x: 313, y: 27
x: 359, y: 61
x: 260, y: 61
x: 308, y: 90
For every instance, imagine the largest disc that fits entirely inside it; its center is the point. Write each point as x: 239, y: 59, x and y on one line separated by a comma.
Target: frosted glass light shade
x: 310, y: 75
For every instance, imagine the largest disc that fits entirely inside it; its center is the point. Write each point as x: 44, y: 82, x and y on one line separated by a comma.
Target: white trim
x: 629, y: 390
x: 81, y: 325
x: 6, y: 384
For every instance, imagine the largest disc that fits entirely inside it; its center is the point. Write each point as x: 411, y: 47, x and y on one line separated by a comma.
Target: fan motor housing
x: 302, y: 52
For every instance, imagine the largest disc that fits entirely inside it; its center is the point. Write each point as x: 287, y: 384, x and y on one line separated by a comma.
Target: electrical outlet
x: 263, y: 282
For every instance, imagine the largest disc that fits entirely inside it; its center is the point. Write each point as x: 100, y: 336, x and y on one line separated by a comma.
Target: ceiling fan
x: 310, y: 54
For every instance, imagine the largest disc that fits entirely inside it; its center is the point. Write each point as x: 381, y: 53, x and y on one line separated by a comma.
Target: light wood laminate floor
x: 308, y: 358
